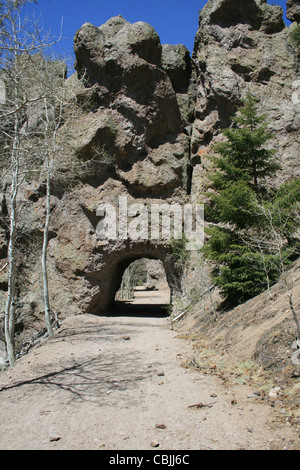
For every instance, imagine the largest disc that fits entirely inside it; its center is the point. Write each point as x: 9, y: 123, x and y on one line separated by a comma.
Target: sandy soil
x: 117, y: 383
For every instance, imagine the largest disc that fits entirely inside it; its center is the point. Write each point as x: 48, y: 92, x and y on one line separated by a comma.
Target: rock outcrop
x: 158, y: 111
x: 155, y: 112
x: 240, y: 47
x: 293, y: 10
x: 133, y: 108
x: 137, y: 116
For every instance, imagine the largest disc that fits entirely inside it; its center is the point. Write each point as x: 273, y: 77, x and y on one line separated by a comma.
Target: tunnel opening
x: 143, y: 290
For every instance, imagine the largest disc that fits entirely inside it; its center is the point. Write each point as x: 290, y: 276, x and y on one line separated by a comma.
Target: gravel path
x: 117, y: 383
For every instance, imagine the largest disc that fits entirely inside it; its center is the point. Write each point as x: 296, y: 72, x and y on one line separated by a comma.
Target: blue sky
x: 175, y: 21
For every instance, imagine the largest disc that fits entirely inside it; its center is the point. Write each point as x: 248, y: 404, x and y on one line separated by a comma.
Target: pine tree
x: 244, y: 156
x: 242, y: 169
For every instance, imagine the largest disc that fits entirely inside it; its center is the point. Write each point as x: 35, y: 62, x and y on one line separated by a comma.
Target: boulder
x: 176, y: 61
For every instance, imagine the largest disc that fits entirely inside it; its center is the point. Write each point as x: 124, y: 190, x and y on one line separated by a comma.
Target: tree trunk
x: 11, y: 294
x: 294, y: 313
x: 44, y: 259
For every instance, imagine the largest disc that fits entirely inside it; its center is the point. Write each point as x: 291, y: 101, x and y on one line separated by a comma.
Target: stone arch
x: 115, y: 262
x: 145, y: 291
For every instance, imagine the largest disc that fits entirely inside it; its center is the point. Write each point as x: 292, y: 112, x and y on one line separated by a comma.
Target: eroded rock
x: 137, y: 111
x: 293, y: 10
x: 240, y: 47
x: 157, y: 113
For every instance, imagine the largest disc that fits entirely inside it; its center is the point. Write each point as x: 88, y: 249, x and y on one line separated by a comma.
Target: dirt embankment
x: 252, y: 343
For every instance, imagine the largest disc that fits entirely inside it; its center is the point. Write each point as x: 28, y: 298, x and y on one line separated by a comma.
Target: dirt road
x: 118, y: 383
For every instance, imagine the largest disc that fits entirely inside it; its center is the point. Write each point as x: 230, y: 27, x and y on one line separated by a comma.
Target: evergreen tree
x: 244, y: 156
x: 244, y: 269
x: 241, y: 270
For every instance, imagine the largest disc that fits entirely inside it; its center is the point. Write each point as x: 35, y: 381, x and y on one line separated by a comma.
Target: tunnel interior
x: 141, y: 289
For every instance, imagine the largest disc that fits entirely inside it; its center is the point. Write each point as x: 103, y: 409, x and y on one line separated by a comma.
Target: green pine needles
x: 256, y: 233
x: 244, y: 157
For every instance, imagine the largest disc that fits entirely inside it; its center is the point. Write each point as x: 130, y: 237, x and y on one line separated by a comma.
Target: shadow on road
x: 132, y: 309
x: 92, y: 379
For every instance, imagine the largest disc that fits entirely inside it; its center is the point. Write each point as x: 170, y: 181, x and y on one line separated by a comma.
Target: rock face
x: 254, y: 13
x: 137, y: 98
x: 133, y: 104
x: 240, y: 47
x: 293, y: 10
x: 155, y: 111
x: 156, y: 277
x: 137, y: 115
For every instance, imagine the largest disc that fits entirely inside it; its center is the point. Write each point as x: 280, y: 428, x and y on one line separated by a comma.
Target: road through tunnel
x: 138, y: 281
x: 144, y: 290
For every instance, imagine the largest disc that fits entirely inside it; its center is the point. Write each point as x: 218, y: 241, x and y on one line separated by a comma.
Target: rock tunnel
x: 113, y: 265
x: 144, y: 290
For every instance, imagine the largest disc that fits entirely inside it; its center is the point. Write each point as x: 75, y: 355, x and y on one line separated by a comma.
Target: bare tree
x: 271, y: 240
x: 277, y: 243
x: 49, y: 155
x: 21, y: 39
x: 51, y: 122
x: 47, y: 116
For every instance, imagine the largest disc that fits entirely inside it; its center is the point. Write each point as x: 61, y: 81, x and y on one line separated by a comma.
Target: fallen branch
x: 183, y: 313
x: 202, y: 405
x: 273, y: 357
x: 40, y: 336
x: 3, y: 267
x: 178, y: 316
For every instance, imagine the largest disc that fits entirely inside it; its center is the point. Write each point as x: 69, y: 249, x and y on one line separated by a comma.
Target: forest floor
x: 123, y: 382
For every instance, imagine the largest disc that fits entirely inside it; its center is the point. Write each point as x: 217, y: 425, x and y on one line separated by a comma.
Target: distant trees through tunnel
x: 144, y: 289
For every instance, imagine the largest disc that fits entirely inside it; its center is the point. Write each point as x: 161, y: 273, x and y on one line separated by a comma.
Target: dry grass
x: 250, y: 344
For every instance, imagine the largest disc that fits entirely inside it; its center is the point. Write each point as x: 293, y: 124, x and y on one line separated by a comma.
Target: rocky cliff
x: 240, y: 47
x: 154, y: 111
x: 134, y: 82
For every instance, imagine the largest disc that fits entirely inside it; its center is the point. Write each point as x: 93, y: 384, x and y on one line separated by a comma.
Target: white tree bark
x: 11, y: 294
x: 44, y: 259
x: 19, y: 41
